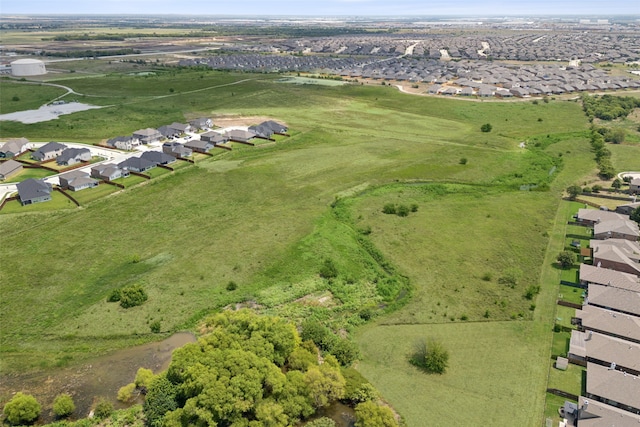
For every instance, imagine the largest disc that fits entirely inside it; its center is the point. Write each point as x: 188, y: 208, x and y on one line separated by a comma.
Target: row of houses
x: 63, y: 155
x: 607, y: 338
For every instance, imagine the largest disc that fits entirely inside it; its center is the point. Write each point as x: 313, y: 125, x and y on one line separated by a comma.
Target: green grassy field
x: 266, y: 218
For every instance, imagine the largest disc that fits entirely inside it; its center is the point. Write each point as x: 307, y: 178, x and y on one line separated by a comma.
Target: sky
x: 324, y: 7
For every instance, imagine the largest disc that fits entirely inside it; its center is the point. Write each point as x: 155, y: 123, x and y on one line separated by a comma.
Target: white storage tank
x: 27, y: 67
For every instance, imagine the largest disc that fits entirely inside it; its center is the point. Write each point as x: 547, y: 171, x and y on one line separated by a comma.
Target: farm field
x: 267, y: 218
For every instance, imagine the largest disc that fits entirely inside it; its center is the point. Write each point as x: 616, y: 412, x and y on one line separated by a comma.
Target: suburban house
x: 157, y: 157
x: 14, y: 147
x: 33, y: 190
x: 199, y: 146
x: 616, y: 254
x: 48, y: 151
x: 604, y: 276
x: 148, y: 135
x: 77, y: 180
x: 607, y: 322
x: 616, y: 299
x: 201, y: 123
x: 9, y: 168
x: 137, y: 164
x: 71, y: 156
x: 176, y: 149
x: 613, y: 387
x: 617, y: 229
x: 592, y: 413
x: 239, y: 135
x: 603, y: 350
x: 591, y: 217
x: 214, y: 137
x: 124, y: 142
x: 261, y: 131
x: 108, y: 172
x: 634, y: 186
x: 180, y: 127
x: 169, y: 132
x: 628, y: 208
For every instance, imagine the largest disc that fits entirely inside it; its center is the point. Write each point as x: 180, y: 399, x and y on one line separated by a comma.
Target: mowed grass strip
x: 493, y: 377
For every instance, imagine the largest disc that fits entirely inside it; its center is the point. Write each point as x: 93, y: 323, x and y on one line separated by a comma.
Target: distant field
x: 267, y: 217
x: 23, y: 96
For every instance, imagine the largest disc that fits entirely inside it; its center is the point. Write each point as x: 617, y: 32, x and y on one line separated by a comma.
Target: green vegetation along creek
x: 258, y: 226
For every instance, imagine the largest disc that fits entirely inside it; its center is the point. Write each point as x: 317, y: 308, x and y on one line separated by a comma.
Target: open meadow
x: 472, y: 265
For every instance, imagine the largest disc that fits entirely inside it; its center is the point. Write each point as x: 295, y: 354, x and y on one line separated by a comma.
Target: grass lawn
x: 552, y: 404
x: 130, y: 181
x: 157, y: 172
x: 564, y: 315
x: 569, y: 380
x: 609, y: 203
x: 57, y: 202
x: 27, y: 173
x: 560, y: 344
x: 90, y: 194
x: 571, y: 294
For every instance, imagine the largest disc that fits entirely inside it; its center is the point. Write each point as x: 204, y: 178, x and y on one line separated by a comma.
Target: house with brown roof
x: 608, y: 322
x: 615, y: 299
x: 606, y: 277
x: 9, y: 168
x: 617, y: 229
x: 591, y: 217
x: 604, y: 350
x: 592, y: 413
x: 616, y: 254
x: 613, y: 387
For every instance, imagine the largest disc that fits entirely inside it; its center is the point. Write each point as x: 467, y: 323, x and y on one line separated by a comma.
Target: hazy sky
x: 323, y: 7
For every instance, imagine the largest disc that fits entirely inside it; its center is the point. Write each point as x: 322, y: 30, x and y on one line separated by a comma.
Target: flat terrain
x: 267, y: 217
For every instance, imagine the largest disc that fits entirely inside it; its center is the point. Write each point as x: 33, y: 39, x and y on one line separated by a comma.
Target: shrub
x: 389, y: 209
x: 321, y: 422
x: 463, y: 161
x: 132, y: 296
x: 144, y: 377
x: 125, y: 393
x: 160, y: 399
x: 155, y: 327
x: 403, y: 210
x: 345, y: 351
x: 414, y: 207
x: 103, y: 410
x: 22, y: 409
x: 486, y: 127
x: 370, y: 414
x: 487, y: 277
x: 596, y: 188
x: 328, y: 269
x: 531, y: 292
x: 430, y: 356
x: 232, y: 286
x: 63, y: 405
x: 114, y: 296
x: 573, y: 191
x: 15, y: 98
x: 566, y: 259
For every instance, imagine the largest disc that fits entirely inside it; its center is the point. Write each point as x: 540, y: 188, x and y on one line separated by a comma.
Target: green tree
x: 22, y: 409
x: 63, y: 405
x: 635, y: 215
x: 389, y: 209
x: 144, y: 377
x: 103, y: 410
x: 370, y: 414
x: 325, y: 384
x: 160, y: 399
x: 566, y: 259
x: 321, y: 422
x: 328, y: 269
x: 431, y: 356
x: 125, y: 393
x: 618, y: 136
x: 132, y: 296
x: 617, y: 184
x: 574, y: 191
x: 486, y: 127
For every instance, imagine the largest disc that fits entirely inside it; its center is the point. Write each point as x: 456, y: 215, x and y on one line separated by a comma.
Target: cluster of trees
x: 25, y: 409
x: 608, y: 107
x: 129, y: 296
x: 251, y: 371
x: 603, y: 155
x: 615, y: 136
x: 90, y: 53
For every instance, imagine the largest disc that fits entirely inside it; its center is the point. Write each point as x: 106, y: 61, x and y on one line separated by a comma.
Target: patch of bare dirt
x: 226, y: 120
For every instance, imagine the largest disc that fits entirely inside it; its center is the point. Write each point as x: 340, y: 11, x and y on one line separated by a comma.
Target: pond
x: 99, y: 378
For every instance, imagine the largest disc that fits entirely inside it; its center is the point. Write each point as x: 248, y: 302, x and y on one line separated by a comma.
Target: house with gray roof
x: 169, y: 132
x: 261, y: 131
x: 176, y: 149
x: 76, y: 181
x: 137, y: 164
x: 628, y: 208
x: 617, y: 229
x: 72, y: 156
x: 201, y: 123
x: 199, y: 146
x: 33, y: 190
x: 14, y: 147
x: 617, y: 254
x: 124, y: 142
x: 108, y: 172
x: 634, y: 186
x: 239, y: 135
x: 180, y: 127
x: 9, y: 168
x: 148, y: 135
x: 608, y: 322
x: 603, y: 349
x: 275, y: 127
x: 214, y: 137
x: 590, y: 217
x: 158, y: 157
x: 48, y: 151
